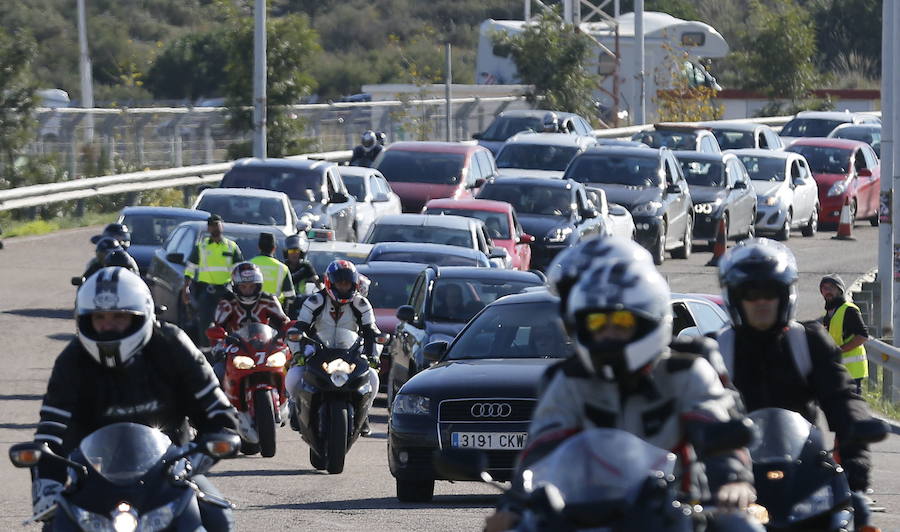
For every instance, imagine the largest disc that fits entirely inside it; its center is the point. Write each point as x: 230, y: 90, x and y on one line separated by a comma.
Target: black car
x: 165, y: 275
x: 441, y: 302
x: 508, y: 123
x: 721, y: 190
x: 649, y: 183
x: 151, y: 226
x: 480, y: 394
x: 557, y: 212
x: 440, y: 254
x: 316, y: 189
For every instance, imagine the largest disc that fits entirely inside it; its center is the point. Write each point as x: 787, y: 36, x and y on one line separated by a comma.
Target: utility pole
x: 259, y: 80
x: 448, y: 95
x: 640, y: 117
x: 84, y: 64
x: 885, y: 229
x: 891, y: 17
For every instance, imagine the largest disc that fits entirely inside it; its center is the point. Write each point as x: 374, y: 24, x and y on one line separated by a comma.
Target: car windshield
x: 457, y: 300
x: 428, y: 257
x: 616, y: 170
x: 390, y: 290
x: 870, y: 136
x: 244, y: 209
x: 824, y: 160
x: 810, y: 127
x: 320, y: 258
x: 421, y: 166
x: 504, y: 127
x: 418, y: 233
x: 703, y: 173
x: 355, y: 186
x: 550, y: 201
x: 733, y: 140
x: 763, y: 168
x: 149, y: 229
x: 497, y: 223
x: 298, y: 184
x: 672, y: 139
x: 249, y: 242
x: 535, y: 157
x: 521, y: 330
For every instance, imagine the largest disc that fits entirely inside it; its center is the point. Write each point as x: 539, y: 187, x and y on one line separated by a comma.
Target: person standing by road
x: 846, y: 326
x: 207, y: 274
x: 276, y: 276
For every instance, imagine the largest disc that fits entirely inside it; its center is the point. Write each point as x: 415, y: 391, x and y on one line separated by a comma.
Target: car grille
x: 502, y: 459
x: 486, y: 410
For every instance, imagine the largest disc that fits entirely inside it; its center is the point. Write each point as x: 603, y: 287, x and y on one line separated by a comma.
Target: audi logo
x: 491, y: 410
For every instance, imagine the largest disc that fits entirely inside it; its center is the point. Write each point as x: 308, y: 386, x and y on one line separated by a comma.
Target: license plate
x: 489, y: 440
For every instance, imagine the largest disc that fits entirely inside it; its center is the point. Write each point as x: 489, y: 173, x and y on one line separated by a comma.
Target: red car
x: 843, y: 168
x: 499, y: 218
x: 420, y: 171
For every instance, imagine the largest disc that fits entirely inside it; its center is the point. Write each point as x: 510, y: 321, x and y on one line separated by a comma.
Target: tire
x: 812, y: 225
x: 337, y: 437
x: 873, y: 221
x: 853, y: 209
x: 265, y: 422
x: 659, y: 251
x: 684, y: 252
x: 249, y: 448
x: 751, y: 230
x: 785, y: 232
x: 415, y: 490
x: 316, y: 460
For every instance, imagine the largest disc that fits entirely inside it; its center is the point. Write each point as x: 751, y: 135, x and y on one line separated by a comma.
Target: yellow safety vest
x: 216, y: 261
x: 855, y: 359
x: 274, y: 272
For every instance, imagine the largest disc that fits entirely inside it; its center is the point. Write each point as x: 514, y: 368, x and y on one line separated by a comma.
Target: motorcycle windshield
x: 123, y: 452
x: 600, y: 465
x: 782, y: 435
x: 257, y: 335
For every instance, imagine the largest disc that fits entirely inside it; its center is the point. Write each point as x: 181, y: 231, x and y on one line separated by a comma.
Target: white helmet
x: 114, y: 289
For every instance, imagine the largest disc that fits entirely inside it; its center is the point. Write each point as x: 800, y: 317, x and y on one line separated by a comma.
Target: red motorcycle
x: 256, y: 362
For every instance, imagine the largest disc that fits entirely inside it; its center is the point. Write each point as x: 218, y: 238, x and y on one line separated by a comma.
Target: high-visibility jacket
x: 211, y: 262
x: 276, y: 276
x: 855, y: 359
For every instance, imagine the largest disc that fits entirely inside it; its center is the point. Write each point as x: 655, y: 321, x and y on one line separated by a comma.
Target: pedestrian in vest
x: 207, y: 274
x: 276, y: 276
x: 845, y: 325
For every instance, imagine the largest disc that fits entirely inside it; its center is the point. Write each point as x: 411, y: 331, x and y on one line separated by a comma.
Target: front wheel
x: 812, y: 225
x: 659, y: 251
x: 419, y: 490
x: 684, y: 252
x: 316, y: 460
x: 337, y: 437
x: 265, y: 422
x: 785, y: 232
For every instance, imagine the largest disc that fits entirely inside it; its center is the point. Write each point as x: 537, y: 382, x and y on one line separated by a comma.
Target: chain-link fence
x: 151, y: 138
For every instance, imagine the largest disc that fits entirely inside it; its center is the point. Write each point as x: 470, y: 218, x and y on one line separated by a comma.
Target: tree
x: 551, y: 56
x: 17, y: 102
x: 190, y: 67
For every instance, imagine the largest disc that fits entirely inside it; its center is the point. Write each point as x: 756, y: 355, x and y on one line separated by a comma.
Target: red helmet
x: 338, y: 271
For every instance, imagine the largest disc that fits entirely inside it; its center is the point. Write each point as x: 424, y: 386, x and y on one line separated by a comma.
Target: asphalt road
x: 284, y: 492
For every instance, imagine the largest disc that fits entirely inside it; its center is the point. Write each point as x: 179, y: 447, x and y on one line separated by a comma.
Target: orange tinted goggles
x: 620, y: 318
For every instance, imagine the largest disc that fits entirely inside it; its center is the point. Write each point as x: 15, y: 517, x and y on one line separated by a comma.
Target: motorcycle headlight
x: 339, y: 378
x: 91, y: 522
x: 820, y: 501
x: 158, y: 519
x: 838, y: 188
x: 124, y: 518
x: 242, y: 362
x: 560, y: 234
x: 411, y: 404
x: 646, y: 209
x: 338, y: 365
x: 276, y: 360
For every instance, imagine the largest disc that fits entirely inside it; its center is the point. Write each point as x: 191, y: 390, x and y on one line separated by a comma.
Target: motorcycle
x: 333, y: 402
x: 256, y: 361
x: 127, y: 476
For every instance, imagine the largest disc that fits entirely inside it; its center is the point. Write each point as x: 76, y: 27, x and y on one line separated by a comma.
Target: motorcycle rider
x: 775, y: 361
x: 104, y: 245
x: 367, y: 151
x: 124, y: 365
x: 615, y: 306
x: 302, y: 271
x: 118, y: 231
x: 276, y: 276
x: 338, y: 314
x: 382, y: 137
x: 121, y: 258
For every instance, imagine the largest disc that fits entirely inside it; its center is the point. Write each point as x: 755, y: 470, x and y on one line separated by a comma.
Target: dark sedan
x: 151, y: 226
x: 440, y: 254
x: 480, y: 395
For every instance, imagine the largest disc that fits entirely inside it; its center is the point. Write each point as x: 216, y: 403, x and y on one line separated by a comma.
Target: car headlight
x: 411, y: 404
x: 276, y: 360
x: 646, y: 209
x: 703, y: 208
x: 820, y: 501
x: 242, y: 362
x: 770, y: 200
x: 90, y: 521
x: 560, y: 234
x: 838, y: 188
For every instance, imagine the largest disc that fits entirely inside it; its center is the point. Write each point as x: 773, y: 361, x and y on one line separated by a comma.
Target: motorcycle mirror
x: 221, y: 445
x: 26, y: 454
x: 868, y: 431
x: 712, y: 438
x: 461, y: 464
x: 77, y: 281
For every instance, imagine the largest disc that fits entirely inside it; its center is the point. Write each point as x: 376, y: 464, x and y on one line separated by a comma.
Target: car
x: 720, y: 191
x: 821, y: 123
x: 786, y: 193
x: 151, y: 226
x: 868, y: 133
x: 437, y: 229
x: 697, y: 314
x: 547, y: 152
x: 678, y: 136
x: 619, y: 143
x: 843, y: 169
x: 251, y: 206
x: 442, y: 300
x: 422, y: 253
x: 165, y: 275
x: 324, y: 249
x: 480, y: 394
x: 315, y: 188
x: 732, y: 135
x: 500, y: 220
x: 557, y: 212
x: 420, y: 171
x: 373, y: 195
x: 618, y: 220
x: 508, y: 123
x: 650, y: 184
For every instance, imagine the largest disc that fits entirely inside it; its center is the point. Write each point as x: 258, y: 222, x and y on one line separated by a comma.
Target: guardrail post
x: 887, y: 385
x: 139, y: 126
x: 175, y: 154
x: 208, y: 144
x: 480, y: 114
x: 109, y: 139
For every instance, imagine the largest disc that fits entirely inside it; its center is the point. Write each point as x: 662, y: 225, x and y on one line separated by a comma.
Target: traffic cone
x: 846, y: 223
x: 721, y: 244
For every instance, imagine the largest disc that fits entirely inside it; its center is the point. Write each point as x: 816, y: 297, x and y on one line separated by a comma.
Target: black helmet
x: 118, y: 231
x: 296, y: 242
x: 755, y: 263
x: 368, y: 139
x: 121, y: 258
x: 550, y: 123
x: 381, y: 136
x: 105, y: 244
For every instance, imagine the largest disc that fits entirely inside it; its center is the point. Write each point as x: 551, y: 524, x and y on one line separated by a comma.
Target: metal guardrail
x: 888, y: 357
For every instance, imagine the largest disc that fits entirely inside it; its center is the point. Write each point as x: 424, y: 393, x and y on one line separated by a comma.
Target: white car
x: 374, y: 196
x: 251, y: 206
x: 617, y: 219
x: 787, y: 196
x: 546, y: 154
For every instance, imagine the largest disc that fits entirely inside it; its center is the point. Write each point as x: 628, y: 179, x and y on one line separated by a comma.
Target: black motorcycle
x: 333, y: 403
x: 127, y: 476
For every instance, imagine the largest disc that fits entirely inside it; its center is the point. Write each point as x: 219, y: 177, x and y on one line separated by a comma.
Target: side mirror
x: 673, y: 188
x: 589, y: 214
x: 525, y: 238
x: 617, y: 210
x: 406, y: 313
x: 688, y: 332
x: 864, y: 172
x: 26, y: 454
x: 77, y: 281
x: 339, y: 197
x: 478, y: 183
x: 434, y: 351
x: 740, y: 185
x: 177, y: 258
x: 476, y: 136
